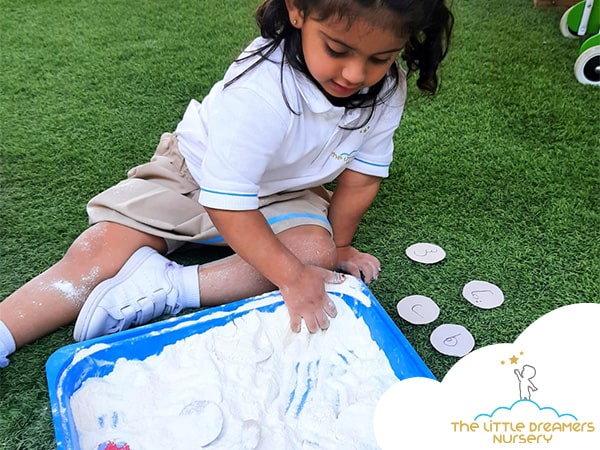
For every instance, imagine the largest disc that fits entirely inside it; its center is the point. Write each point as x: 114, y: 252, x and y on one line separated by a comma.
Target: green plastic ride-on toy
x: 583, y: 20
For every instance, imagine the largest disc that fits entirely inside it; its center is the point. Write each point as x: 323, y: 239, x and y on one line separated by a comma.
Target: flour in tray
x: 250, y: 384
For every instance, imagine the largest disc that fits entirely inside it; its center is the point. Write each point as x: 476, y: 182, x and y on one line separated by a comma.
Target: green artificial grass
x: 501, y: 169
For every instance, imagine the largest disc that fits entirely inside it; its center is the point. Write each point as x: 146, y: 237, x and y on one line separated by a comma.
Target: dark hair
x: 427, y: 24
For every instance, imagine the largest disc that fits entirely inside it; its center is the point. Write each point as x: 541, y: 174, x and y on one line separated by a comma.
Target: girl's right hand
x: 306, y: 298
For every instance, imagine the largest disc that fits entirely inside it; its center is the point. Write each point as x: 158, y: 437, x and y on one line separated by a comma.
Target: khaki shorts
x: 161, y: 198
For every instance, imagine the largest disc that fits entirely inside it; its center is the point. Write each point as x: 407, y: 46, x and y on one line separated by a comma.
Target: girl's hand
x: 361, y: 265
x: 306, y: 298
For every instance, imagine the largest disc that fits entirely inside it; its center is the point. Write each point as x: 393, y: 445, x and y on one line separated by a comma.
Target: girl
x: 316, y: 98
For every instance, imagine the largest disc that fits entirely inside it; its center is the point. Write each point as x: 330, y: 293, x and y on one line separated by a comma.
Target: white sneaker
x: 141, y: 291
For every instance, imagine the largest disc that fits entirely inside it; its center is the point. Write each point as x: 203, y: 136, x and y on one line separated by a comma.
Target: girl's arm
x: 302, y: 286
x: 354, y: 193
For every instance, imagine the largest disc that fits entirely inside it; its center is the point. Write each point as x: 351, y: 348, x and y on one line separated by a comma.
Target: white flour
x: 249, y: 384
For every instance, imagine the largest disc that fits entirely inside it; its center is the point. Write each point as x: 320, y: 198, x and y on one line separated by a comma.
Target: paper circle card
x: 425, y: 253
x: 418, y: 309
x: 482, y: 294
x: 452, y: 340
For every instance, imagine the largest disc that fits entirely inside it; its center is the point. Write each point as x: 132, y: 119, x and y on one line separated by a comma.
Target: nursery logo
x: 343, y: 156
x: 524, y: 421
x: 539, y: 392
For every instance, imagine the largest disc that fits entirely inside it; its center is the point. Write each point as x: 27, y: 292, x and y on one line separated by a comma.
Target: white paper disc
x: 482, y: 294
x: 453, y: 340
x: 418, y: 309
x: 425, y: 253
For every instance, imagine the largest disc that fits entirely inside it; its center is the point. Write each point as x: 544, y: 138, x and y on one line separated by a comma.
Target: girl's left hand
x: 361, y: 265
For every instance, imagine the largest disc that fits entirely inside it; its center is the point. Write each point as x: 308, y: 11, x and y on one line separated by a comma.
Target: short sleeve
x: 245, y: 130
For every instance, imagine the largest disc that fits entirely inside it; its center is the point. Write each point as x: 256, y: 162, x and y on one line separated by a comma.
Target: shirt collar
x: 313, y: 97
x: 319, y: 104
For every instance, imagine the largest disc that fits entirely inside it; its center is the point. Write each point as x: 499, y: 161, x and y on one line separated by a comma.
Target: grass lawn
x: 501, y: 169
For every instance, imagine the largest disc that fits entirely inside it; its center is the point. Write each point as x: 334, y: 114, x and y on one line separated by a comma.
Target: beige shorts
x: 161, y: 198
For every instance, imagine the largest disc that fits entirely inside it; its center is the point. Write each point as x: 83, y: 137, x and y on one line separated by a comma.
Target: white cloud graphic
x: 523, y: 403
x: 480, y: 400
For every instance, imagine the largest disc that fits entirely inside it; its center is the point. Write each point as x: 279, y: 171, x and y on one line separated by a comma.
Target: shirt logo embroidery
x: 343, y: 156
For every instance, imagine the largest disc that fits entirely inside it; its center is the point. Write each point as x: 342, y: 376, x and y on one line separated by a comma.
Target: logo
x: 539, y: 392
x: 343, y: 156
x: 524, y: 421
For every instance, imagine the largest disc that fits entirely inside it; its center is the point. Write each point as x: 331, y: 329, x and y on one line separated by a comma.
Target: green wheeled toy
x: 582, y: 20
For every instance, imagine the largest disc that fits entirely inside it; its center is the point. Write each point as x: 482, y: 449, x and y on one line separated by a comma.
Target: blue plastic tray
x: 70, y: 366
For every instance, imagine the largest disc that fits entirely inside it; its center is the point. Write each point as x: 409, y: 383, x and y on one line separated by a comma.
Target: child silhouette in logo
x: 526, y: 387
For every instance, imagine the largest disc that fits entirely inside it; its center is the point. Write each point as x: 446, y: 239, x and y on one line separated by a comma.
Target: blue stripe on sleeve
x: 370, y: 163
x: 228, y: 193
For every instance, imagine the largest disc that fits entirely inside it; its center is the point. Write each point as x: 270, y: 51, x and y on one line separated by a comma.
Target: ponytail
x: 426, y: 49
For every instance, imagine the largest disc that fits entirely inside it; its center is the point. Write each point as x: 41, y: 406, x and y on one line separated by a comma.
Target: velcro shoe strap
x: 129, y: 315
x: 151, y: 307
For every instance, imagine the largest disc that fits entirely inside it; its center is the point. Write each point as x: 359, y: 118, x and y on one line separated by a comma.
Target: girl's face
x: 344, y: 59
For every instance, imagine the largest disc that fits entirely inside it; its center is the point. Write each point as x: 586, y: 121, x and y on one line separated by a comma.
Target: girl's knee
x: 112, y: 240
x: 326, y: 256
x: 106, y: 246
x: 312, y: 245
x: 90, y: 244
x: 102, y: 247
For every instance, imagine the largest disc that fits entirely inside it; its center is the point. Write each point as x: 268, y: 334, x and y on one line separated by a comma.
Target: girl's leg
x: 148, y: 282
x: 232, y: 278
x: 55, y: 297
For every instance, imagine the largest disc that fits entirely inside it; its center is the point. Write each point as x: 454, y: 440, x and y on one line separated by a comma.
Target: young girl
x: 316, y: 98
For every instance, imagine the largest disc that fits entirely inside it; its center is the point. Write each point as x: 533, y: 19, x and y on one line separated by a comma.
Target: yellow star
x: 513, y: 359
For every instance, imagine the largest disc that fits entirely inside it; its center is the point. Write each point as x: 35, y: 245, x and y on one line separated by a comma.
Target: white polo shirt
x: 243, y: 142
